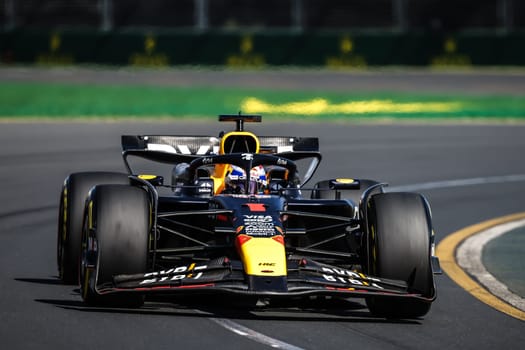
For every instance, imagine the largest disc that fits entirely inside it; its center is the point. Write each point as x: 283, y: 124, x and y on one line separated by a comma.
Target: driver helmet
x: 236, y: 180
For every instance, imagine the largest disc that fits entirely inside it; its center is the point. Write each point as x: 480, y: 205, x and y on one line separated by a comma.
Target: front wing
x: 305, y: 277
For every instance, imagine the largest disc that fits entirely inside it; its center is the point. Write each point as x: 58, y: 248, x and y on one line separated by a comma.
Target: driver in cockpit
x: 235, y: 181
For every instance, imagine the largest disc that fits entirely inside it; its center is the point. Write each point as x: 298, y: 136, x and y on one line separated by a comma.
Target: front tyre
x: 399, y: 248
x: 72, y: 199
x: 115, y: 241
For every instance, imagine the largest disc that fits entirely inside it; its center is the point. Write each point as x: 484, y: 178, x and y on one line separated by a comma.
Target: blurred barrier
x: 334, y: 50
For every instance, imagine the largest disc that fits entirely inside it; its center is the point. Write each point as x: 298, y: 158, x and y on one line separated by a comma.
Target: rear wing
x: 185, y: 149
x: 206, y: 145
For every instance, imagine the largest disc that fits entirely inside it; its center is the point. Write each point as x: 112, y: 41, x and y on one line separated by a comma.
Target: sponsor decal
x: 205, y: 187
x: 349, y: 277
x: 281, y: 149
x: 247, y: 156
x: 160, y: 147
x: 174, y: 274
x: 182, y: 149
x: 281, y: 161
x: 249, y: 196
x: 259, y: 225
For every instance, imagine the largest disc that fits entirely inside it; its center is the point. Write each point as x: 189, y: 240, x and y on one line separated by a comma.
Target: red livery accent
x: 256, y: 207
x: 198, y: 286
x: 204, y: 285
x: 241, y: 239
x: 279, y: 239
x: 222, y: 217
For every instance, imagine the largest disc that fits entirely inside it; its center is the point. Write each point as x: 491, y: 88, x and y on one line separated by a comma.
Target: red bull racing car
x: 237, y: 218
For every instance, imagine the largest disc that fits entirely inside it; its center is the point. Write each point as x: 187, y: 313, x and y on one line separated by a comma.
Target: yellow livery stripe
x: 262, y: 256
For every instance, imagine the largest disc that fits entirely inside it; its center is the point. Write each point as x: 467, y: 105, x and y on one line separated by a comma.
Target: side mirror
x: 155, y: 180
x: 344, y: 184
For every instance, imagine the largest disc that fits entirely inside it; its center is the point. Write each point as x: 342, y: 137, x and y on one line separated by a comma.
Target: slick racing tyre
x: 72, y: 198
x: 399, y: 243
x: 114, y: 242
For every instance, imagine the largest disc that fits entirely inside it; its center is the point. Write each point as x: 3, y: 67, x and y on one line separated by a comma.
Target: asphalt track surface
x: 39, y: 312
x: 465, y: 82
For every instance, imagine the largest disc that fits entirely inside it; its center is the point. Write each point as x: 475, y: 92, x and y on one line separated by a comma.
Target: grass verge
x: 68, y: 100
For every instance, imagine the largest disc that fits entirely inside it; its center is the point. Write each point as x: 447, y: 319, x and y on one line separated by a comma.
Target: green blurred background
x: 321, y: 35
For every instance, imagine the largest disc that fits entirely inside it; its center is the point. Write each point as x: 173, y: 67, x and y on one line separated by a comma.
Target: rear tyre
x: 114, y: 242
x: 399, y: 243
x: 72, y: 199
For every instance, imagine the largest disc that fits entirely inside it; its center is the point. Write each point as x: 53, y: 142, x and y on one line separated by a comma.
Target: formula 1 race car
x: 237, y: 219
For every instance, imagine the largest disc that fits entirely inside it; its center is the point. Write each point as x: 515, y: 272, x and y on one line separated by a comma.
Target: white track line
x: 458, y: 183
x: 469, y: 256
x: 253, y: 335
